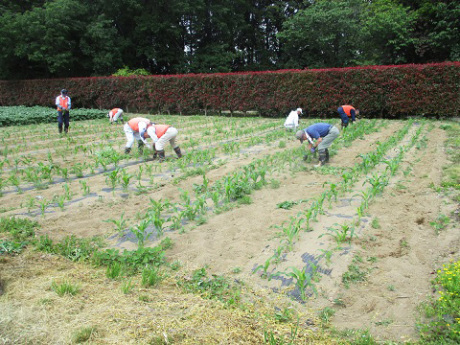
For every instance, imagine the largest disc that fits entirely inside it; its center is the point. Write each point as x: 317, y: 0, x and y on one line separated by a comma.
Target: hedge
x: 383, y: 91
x: 22, y: 115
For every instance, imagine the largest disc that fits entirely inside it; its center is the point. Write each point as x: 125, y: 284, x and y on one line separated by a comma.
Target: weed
x: 176, y: 265
x: 375, y: 223
x: 217, y: 287
x: 151, y: 276
x: 385, y: 322
x: 275, y: 184
x: 144, y: 298
x: 65, y: 288
x: 284, y: 315
x: 127, y: 286
x: 391, y: 288
x: 114, y: 270
x: 83, y: 334
x: 326, y: 314
x: 440, y: 223
x: 354, y: 274
x: 272, y: 339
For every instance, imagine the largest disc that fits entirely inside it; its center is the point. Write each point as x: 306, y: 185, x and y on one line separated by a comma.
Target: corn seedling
x: 112, y: 179
x: 302, y: 281
x: 60, y: 200
x: 124, y: 179
x: 264, y: 268
x: 84, y: 187
x: 67, y: 192
x: 120, y: 225
x: 342, y: 233
x: 77, y: 169
x: 43, y: 206
x: 140, y: 231
x: 14, y: 180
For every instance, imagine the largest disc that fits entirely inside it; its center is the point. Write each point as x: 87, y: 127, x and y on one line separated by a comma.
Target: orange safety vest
x: 347, y: 109
x: 63, y: 102
x: 134, y: 123
x: 160, y: 130
x: 113, y: 112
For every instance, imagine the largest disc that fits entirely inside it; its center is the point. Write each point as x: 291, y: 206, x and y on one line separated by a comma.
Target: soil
x: 398, y: 256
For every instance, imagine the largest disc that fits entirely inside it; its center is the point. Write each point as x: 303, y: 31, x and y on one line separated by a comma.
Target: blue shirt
x: 318, y: 130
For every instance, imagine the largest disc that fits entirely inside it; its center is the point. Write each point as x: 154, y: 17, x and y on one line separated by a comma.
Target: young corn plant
x: 264, y: 268
x: 43, y: 206
x: 112, y: 179
x: 340, y: 233
x: 68, y: 194
x: 120, y: 224
x: 303, y: 280
x: 84, y: 187
x: 125, y: 179
x: 140, y: 231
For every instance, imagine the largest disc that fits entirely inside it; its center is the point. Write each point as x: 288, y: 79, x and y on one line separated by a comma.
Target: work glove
x: 312, y: 150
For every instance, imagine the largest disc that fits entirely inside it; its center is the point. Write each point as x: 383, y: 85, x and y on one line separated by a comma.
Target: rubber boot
x: 60, y: 129
x: 140, y: 146
x: 322, y: 158
x: 155, y: 154
x: 127, y: 150
x: 178, y: 153
x: 161, y: 155
x: 327, y: 155
x: 66, y: 129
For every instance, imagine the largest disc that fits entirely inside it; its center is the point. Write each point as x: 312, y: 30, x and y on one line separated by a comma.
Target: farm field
x: 240, y: 241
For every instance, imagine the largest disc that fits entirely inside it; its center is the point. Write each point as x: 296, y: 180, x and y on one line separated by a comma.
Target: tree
x: 326, y: 34
x: 387, y: 31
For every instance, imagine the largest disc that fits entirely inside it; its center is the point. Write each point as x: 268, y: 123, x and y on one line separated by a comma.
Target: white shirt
x: 292, y: 120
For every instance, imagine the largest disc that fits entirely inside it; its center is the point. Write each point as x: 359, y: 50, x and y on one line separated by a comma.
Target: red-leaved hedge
x: 386, y: 91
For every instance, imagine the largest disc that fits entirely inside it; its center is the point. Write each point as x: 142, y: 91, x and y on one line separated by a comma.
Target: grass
x: 442, y: 324
x: 353, y: 275
x: 83, y: 334
x: 65, y: 288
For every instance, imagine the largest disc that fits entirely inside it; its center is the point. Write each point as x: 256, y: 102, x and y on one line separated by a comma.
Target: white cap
x: 299, y: 109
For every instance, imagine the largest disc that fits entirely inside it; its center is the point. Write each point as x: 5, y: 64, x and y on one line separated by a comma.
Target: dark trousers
x: 63, y: 118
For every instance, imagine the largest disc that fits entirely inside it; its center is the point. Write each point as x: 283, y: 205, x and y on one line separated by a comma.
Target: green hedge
x: 384, y: 91
x: 22, y: 115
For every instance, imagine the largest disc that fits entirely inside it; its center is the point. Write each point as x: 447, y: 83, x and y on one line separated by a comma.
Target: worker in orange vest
x: 135, y: 129
x: 161, y: 134
x: 347, y: 113
x: 63, y: 104
x: 115, y: 114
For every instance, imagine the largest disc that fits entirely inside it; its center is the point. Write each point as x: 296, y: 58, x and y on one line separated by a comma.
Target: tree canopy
x: 69, y: 38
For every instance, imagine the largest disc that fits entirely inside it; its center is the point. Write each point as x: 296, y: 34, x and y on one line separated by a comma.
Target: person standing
x: 63, y: 104
x: 347, y: 113
x: 319, y: 136
x: 292, y: 120
x: 162, y: 134
x: 115, y: 114
x: 135, y: 129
